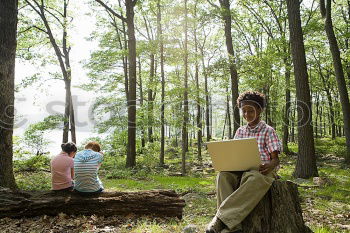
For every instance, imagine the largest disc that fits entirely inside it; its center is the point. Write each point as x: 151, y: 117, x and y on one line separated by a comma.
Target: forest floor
x: 325, y: 202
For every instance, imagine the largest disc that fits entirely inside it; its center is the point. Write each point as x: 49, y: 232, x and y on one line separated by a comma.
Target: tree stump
x: 157, y: 203
x: 278, y: 212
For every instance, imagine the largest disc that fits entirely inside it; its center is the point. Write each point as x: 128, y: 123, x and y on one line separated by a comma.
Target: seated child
x: 239, y: 192
x: 86, y: 165
x: 62, y: 168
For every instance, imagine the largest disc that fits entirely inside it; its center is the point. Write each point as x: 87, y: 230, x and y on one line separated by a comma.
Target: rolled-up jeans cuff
x: 228, y: 222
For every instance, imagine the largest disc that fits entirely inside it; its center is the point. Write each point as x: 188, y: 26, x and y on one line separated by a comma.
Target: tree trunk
x: 8, y: 43
x: 347, y: 39
x: 68, y: 69
x: 162, y: 116
x: 293, y: 126
x: 317, y: 114
x: 72, y: 122
x: 207, y: 117
x: 199, y: 114
x: 226, y: 16
x: 286, y: 121
x: 67, y: 109
x: 143, y: 140
x: 306, y: 163
x: 326, y: 11
x: 158, y: 203
x: 228, y: 114
x: 185, y: 112
x: 224, y: 128
x: 150, y: 100
x: 321, y: 121
x: 131, y: 150
x: 278, y: 212
x: 331, y: 112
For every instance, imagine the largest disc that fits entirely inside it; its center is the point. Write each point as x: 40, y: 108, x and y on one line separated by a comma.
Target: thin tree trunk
x: 72, y: 122
x: 162, y: 116
x: 211, y: 116
x: 321, y: 121
x: 150, y: 101
x: 199, y: 121
x: 8, y: 44
x: 347, y: 39
x: 185, y: 112
x: 286, y: 121
x: 143, y: 140
x: 68, y: 68
x: 207, y: 117
x: 223, y: 130
x: 67, y: 109
x: 131, y: 150
x: 326, y: 11
x: 228, y: 114
x: 317, y: 114
x: 226, y: 16
x: 331, y: 112
x: 306, y: 163
x: 293, y: 126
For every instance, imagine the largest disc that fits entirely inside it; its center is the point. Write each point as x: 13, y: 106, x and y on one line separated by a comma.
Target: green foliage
x: 33, y: 181
x: 34, y: 136
x: 35, y: 163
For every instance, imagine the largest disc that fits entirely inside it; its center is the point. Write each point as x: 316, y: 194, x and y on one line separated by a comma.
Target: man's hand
x: 266, y: 168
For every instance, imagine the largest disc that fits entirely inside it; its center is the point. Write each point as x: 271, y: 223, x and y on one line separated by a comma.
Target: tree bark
x: 8, y: 44
x: 207, y: 116
x: 228, y: 114
x: 67, y: 109
x: 68, y: 68
x: 326, y: 11
x: 199, y: 114
x: 278, y: 212
x: 286, y: 121
x: 157, y: 203
x: 150, y: 100
x: 143, y: 140
x: 306, y: 163
x: 226, y: 16
x: 72, y: 122
x: 162, y: 116
x: 131, y: 150
x: 185, y: 107
x: 317, y: 114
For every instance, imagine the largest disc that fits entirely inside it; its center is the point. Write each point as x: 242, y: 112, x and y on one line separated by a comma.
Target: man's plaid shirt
x: 266, y: 136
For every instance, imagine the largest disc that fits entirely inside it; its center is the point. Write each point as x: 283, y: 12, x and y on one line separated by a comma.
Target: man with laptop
x: 246, y: 166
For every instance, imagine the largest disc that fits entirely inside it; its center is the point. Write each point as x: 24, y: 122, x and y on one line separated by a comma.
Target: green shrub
x: 33, y: 180
x: 34, y: 163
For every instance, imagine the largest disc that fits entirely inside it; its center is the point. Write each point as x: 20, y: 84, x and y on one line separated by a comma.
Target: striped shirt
x: 266, y: 136
x: 86, y: 165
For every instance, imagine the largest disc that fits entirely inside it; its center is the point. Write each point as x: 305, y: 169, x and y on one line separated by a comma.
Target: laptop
x: 235, y: 155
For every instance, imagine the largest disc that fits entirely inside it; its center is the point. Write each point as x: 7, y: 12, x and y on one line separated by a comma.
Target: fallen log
x: 278, y: 212
x: 157, y: 203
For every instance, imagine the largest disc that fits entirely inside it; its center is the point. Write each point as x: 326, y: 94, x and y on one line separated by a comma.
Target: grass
x: 326, y: 208
x: 179, y: 184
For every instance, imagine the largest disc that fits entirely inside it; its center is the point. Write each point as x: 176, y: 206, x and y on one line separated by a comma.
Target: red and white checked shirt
x: 266, y: 136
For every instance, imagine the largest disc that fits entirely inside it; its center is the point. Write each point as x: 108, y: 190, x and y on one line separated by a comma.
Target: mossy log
x: 157, y: 203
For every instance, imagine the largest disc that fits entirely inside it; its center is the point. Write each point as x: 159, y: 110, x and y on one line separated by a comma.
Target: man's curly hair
x: 253, y: 97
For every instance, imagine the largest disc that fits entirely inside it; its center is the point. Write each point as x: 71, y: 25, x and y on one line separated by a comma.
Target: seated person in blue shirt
x: 86, y: 165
